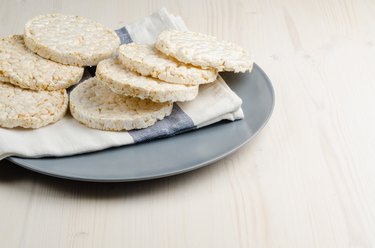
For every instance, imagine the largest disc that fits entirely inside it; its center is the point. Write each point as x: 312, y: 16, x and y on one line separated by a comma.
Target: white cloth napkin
x: 215, y: 102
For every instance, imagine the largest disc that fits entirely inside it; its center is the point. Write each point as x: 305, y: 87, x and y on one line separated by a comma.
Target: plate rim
x: 27, y: 166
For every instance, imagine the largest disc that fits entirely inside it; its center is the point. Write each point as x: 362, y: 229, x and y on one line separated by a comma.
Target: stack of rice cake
x: 172, y: 69
x: 32, y: 88
x: 130, y: 91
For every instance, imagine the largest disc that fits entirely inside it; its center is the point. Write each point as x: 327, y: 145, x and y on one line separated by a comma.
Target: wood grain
x: 306, y: 181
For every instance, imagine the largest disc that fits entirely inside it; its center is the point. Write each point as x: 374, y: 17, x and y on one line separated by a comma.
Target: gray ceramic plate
x: 174, y: 155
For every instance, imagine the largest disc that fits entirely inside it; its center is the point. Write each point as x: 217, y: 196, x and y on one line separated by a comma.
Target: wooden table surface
x: 308, y: 180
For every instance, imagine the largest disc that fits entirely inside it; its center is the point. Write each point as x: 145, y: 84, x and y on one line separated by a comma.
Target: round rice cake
x: 204, y: 51
x: 96, y: 106
x: 30, y: 109
x: 125, y: 82
x: 148, y: 61
x: 71, y: 40
x: 22, y: 67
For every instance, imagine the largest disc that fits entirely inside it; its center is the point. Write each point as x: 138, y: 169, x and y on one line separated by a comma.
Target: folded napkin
x: 214, y: 102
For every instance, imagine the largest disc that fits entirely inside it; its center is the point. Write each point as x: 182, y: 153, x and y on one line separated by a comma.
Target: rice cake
x: 125, y: 82
x: 96, y: 106
x: 203, y: 50
x: 30, y: 109
x: 23, y: 68
x: 71, y: 40
x: 148, y: 61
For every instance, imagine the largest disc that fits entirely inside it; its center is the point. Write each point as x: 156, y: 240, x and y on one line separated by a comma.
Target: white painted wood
x: 306, y: 181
